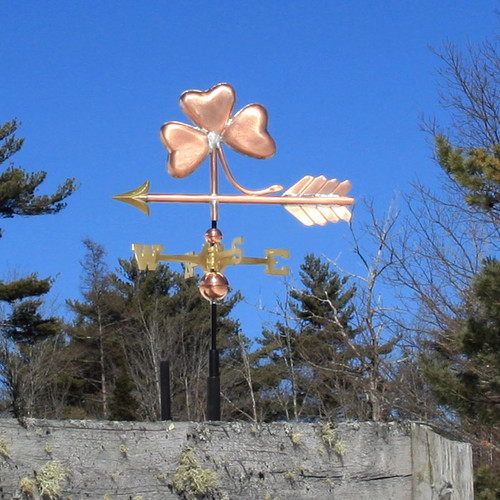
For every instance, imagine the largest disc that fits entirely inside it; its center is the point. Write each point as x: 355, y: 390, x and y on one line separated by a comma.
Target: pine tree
x: 323, y: 306
x: 95, y: 343
x: 476, y: 170
x: 25, y: 330
x: 481, y: 344
x: 471, y: 155
x: 307, y: 367
x: 464, y: 367
x: 18, y: 187
x: 167, y: 319
x: 461, y: 358
x: 25, y: 322
x: 123, y: 406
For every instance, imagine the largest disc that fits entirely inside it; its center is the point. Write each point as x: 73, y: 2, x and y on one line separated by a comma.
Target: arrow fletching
x: 310, y: 187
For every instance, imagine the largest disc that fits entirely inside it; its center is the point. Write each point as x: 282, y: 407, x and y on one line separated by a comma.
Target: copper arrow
x: 308, y: 200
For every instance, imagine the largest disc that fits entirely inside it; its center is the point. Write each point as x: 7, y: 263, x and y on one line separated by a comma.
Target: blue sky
x: 344, y: 83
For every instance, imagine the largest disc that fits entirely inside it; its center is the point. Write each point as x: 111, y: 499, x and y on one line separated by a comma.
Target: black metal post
x: 165, y: 390
x: 213, y: 382
x: 213, y: 394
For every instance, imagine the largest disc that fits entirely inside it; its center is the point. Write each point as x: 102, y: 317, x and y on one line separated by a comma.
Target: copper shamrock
x: 246, y: 132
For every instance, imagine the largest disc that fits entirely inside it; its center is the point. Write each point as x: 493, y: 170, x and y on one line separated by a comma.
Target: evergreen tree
x: 308, y: 364
x: 464, y: 367
x: 323, y: 308
x: 123, y: 406
x: 461, y: 360
x: 25, y: 323
x: 167, y: 319
x: 24, y: 329
x: 95, y: 345
x: 18, y: 197
x: 126, y: 324
x: 18, y: 187
x: 481, y: 344
x: 476, y: 170
x: 471, y: 155
x: 277, y: 374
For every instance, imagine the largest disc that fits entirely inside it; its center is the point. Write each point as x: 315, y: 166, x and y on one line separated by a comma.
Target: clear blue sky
x: 344, y: 83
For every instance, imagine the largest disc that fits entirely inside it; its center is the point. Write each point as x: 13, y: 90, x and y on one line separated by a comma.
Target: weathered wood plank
x: 442, y: 469
x: 153, y: 461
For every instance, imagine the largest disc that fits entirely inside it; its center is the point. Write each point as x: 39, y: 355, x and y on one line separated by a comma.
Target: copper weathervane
x: 312, y: 200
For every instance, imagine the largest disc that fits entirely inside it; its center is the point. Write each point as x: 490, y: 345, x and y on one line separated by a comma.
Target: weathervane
x: 312, y: 200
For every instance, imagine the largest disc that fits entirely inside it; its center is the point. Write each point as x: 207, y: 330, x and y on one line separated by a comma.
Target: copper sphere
x: 213, y: 236
x: 214, y: 286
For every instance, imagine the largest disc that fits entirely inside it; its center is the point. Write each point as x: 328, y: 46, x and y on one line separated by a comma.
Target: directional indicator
x: 312, y: 200
x: 213, y: 257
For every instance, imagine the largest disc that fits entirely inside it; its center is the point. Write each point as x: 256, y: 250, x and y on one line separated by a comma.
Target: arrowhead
x: 138, y: 197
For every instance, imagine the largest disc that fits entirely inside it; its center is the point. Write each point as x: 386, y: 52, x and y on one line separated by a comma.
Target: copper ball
x: 214, y: 286
x: 213, y: 236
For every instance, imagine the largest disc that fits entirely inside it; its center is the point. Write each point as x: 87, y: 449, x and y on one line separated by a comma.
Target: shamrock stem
x: 214, y: 186
x: 271, y: 189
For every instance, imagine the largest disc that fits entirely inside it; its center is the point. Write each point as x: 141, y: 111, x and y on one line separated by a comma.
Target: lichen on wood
x: 4, y: 447
x: 299, y: 461
x: 190, y: 479
x: 27, y: 487
x: 330, y: 437
x: 49, y: 478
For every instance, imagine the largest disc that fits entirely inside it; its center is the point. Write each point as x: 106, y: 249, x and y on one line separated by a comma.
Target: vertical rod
x: 165, y: 390
x: 213, y: 318
x: 213, y: 385
x: 214, y: 186
x: 213, y: 382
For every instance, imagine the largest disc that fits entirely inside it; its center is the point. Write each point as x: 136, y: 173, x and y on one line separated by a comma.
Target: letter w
x: 147, y: 256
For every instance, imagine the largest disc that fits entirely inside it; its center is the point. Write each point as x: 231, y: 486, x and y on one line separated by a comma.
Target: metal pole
x: 213, y: 382
x: 165, y: 390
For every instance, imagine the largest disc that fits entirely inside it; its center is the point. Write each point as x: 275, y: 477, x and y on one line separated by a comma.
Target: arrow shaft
x: 247, y: 199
